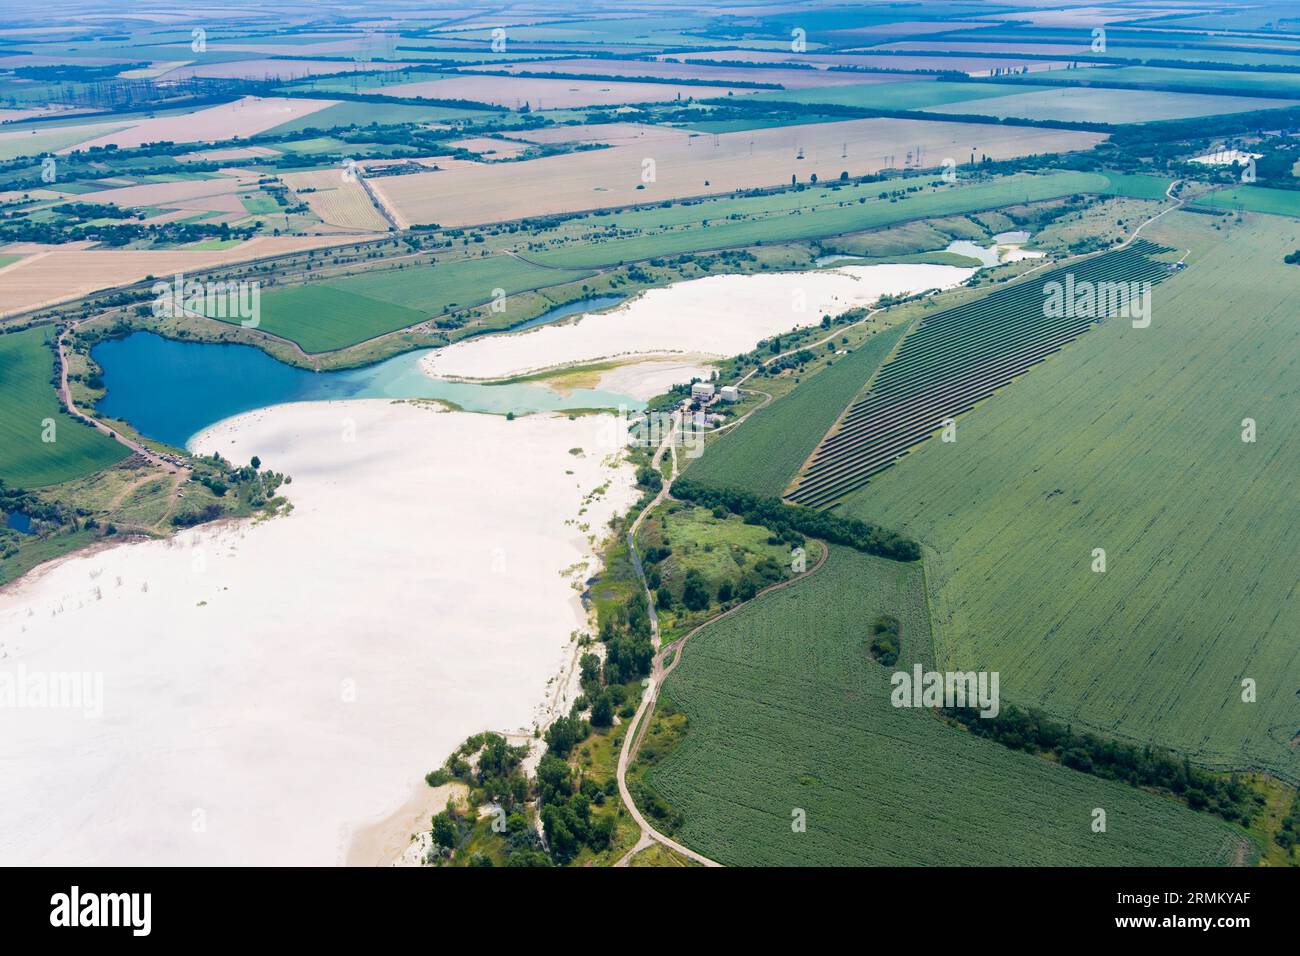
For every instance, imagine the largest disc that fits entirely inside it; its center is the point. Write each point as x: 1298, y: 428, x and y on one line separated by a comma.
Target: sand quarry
x: 425, y: 587
x: 690, y: 318
x: 271, y: 688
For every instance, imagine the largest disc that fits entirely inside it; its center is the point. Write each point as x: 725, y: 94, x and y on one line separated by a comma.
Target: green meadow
x: 767, y: 219
x: 27, y: 402
x: 788, y: 712
x: 326, y: 316
x: 1276, y: 202
x: 1131, y: 441
x: 906, y: 95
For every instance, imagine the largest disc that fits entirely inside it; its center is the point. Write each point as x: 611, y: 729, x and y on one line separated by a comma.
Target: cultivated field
x: 788, y: 711
x: 27, y: 405
x: 952, y: 361
x: 793, y: 216
x: 719, y: 75
x: 701, y: 166
x: 1277, y: 202
x: 1091, y: 105
x: 974, y: 65
x: 243, y: 117
x: 763, y: 455
x: 1131, y: 441
x: 338, y: 201
x: 911, y: 95
x: 1227, y: 81
x: 59, y: 274
x: 323, y: 317
x: 542, y: 94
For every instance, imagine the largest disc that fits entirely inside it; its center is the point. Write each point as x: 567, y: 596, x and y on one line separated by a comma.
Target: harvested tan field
x: 14, y: 116
x: 491, y: 147
x: 272, y: 69
x: 976, y: 66
x: 321, y: 44
x: 57, y: 275
x: 336, y: 200
x: 226, y: 155
x: 14, y: 195
x: 1088, y: 17
x: 700, y: 165
x: 819, y: 61
x: 553, y: 94
x: 966, y: 46
x: 429, y: 162
x: 791, y: 79
x: 196, y: 194
x: 911, y: 28
x: 243, y: 117
x: 615, y: 134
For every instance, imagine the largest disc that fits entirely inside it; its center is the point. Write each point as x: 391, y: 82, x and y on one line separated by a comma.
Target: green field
x: 456, y: 284
x: 1137, y: 186
x: 364, y: 114
x: 763, y: 454
x: 326, y: 316
x: 1226, y: 81
x: 768, y: 219
x: 788, y: 710
x: 1277, y: 202
x: 27, y: 399
x: 321, y: 318
x: 1130, y: 441
x: 908, y: 95
x: 38, y: 142
x: 1075, y: 105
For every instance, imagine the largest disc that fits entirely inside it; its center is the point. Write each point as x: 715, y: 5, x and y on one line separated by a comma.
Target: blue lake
x: 172, y: 390
x: 18, y: 521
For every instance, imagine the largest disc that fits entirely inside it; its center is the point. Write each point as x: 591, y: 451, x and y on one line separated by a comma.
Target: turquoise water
x: 172, y: 390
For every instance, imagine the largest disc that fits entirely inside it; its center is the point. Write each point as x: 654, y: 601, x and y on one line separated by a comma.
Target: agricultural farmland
x: 326, y: 316
x: 1089, y: 105
x: 30, y: 414
x: 764, y: 455
x: 959, y: 357
x: 1275, y: 202
x: 338, y: 200
x: 632, y: 323
x: 787, y: 710
x: 1095, y: 450
x: 694, y: 166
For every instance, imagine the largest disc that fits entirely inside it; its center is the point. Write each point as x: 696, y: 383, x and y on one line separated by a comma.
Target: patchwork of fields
x: 788, y: 712
x: 1090, y: 105
x: 1131, y: 441
x: 697, y: 166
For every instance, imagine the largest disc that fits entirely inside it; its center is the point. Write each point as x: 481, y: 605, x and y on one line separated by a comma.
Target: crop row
x: 954, y: 360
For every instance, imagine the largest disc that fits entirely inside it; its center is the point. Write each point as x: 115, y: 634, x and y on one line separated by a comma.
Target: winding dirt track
x: 660, y: 669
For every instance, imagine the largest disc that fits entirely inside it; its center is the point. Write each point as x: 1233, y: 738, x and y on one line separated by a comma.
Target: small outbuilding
x: 729, y: 393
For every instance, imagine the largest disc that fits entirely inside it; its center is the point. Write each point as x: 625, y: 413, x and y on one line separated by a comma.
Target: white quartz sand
x: 718, y: 315
x: 271, y: 689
